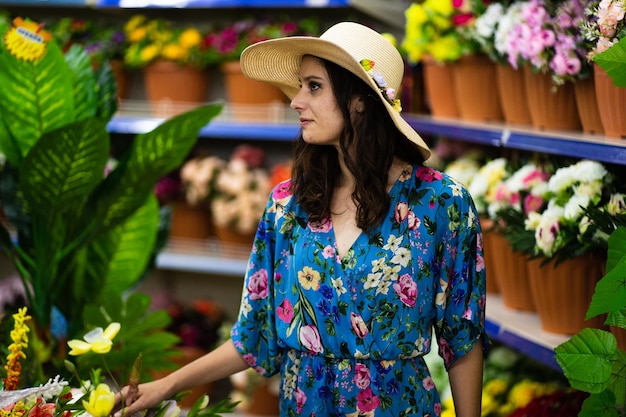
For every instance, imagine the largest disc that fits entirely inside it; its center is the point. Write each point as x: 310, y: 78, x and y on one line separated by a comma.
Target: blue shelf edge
x: 220, y: 3
x: 539, y: 353
x: 480, y: 134
x: 215, y: 129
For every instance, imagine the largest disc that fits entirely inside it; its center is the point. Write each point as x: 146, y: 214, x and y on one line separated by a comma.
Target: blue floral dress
x: 348, y: 334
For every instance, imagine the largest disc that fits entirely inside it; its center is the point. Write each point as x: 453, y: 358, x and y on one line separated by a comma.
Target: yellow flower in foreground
x: 27, y: 40
x: 173, y: 52
x: 96, y: 340
x: 19, y: 336
x: 101, y: 401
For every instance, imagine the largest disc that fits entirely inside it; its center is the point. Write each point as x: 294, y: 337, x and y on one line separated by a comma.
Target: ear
x: 357, y: 104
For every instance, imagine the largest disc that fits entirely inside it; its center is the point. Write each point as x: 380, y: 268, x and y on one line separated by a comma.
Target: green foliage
x: 613, y: 61
x: 591, y: 360
x: 81, y: 233
x: 142, y: 333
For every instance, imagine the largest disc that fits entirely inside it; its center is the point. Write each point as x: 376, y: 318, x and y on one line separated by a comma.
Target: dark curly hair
x: 369, y: 144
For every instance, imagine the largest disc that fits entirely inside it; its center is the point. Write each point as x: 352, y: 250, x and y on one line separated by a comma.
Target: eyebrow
x: 313, y: 78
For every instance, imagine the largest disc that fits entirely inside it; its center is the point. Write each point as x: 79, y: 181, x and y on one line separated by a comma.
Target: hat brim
x: 277, y: 62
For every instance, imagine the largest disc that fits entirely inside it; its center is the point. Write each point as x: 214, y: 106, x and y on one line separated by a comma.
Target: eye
x: 313, y: 86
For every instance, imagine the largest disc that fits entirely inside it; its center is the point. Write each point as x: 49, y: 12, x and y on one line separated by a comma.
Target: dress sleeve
x: 254, y: 332
x: 460, y: 321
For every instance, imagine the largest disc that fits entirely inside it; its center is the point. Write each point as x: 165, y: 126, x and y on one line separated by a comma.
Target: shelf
x: 572, y: 144
x: 221, y: 3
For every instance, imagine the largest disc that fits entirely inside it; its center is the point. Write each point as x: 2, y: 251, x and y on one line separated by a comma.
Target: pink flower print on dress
x: 358, y: 325
x: 285, y: 311
x: 310, y: 339
x: 406, y: 289
x: 257, y: 286
x: 361, y: 376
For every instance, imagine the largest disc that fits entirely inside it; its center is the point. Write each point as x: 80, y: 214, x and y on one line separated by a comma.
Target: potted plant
x: 236, y: 191
x: 250, y: 98
x: 174, y: 59
x: 73, y: 224
x: 605, y: 28
x: 591, y: 360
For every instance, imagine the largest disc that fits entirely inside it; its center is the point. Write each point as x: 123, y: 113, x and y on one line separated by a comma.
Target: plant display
x: 92, y: 397
x: 150, y: 40
x: 483, y: 184
x: 591, y: 360
x: 547, y: 37
x: 230, y: 41
x: 198, y: 323
x: 441, y: 29
x: 236, y: 190
x: 78, y: 232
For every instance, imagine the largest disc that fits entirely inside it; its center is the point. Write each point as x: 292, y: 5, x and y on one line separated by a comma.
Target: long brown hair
x: 368, y: 143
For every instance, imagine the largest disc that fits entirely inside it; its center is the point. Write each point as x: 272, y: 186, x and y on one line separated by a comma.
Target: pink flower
x: 366, y: 401
x: 406, y: 289
x: 257, y: 285
x: 310, y: 339
x: 428, y: 383
x: 322, y: 227
x: 328, y: 252
x: 361, y: 376
x: 285, y: 311
x: 445, y: 351
x: 428, y: 174
x: 358, y: 325
x: 414, y: 221
x: 401, y: 211
x: 282, y: 190
x: 300, y: 397
x: 250, y: 359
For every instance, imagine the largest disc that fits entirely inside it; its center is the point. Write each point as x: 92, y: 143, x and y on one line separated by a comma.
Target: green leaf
x: 586, y: 359
x: 135, y: 243
x: 84, y: 82
x: 610, y: 291
x: 64, y: 166
x: 36, y: 97
x: 150, y: 156
x: 106, y: 89
x: 9, y: 146
x: 601, y: 404
x: 613, y: 61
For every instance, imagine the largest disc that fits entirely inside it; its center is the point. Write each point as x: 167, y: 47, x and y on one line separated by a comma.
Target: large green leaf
x: 587, y: 359
x: 613, y: 61
x: 83, y: 82
x: 107, y: 93
x: 136, y: 240
x: 150, y: 156
x: 64, y: 166
x: 35, y: 97
x: 8, y: 145
x: 602, y: 404
x: 610, y: 291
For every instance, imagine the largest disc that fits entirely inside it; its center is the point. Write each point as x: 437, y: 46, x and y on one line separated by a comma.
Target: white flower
x: 486, y: 23
x: 548, y: 229
x: 507, y: 21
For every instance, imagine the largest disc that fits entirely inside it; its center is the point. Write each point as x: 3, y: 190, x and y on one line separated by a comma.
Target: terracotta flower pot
x: 512, y: 93
x: 611, y: 104
x: 550, y: 109
x: 439, y: 88
x: 587, y: 104
x: 476, y: 89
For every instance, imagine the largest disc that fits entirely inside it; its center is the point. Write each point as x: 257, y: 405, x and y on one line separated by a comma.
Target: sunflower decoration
x: 27, y: 40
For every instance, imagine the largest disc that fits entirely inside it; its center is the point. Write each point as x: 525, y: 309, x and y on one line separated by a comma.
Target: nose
x: 296, y: 102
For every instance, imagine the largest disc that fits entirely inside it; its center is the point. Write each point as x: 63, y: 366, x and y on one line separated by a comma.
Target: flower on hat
x: 388, y: 93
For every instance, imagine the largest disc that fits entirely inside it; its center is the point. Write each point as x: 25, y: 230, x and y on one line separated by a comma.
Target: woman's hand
x: 130, y: 401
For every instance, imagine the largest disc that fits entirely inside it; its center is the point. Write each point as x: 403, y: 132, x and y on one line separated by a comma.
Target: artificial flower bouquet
x: 547, y: 37
x: 93, y: 397
x: 441, y: 29
x: 230, y: 41
x: 150, y: 40
x: 236, y: 190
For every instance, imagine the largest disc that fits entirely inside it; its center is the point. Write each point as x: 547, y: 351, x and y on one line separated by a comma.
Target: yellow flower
x: 189, y: 38
x: 96, y: 340
x: 173, y: 52
x: 415, y: 15
x: 309, y: 278
x: 524, y: 391
x: 27, y: 40
x: 19, y: 337
x: 149, y: 53
x: 137, y: 35
x: 495, y: 386
x: 442, y: 7
x: 101, y: 401
x: 134, y: 22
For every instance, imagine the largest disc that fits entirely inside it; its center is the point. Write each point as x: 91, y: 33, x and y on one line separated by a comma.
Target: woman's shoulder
x: 430, y: 177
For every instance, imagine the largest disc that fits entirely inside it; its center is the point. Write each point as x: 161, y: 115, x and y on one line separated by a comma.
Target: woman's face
x: 321, y: 120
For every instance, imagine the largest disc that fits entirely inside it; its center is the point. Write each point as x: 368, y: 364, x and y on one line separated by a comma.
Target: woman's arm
x: 217, y: 364
x: 466, y: 382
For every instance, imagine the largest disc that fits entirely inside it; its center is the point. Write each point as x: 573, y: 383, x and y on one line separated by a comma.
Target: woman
x: 359, y: 256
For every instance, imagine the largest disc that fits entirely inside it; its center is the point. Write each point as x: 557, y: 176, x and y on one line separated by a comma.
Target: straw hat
x: 355, y: 47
